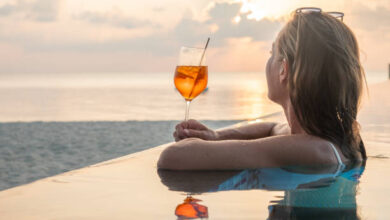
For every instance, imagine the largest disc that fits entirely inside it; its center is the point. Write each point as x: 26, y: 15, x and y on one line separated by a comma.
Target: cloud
x: 114, y: 18
x: 7, y: 9
x: 371, y: 18
x: 104, y: 34
x: 221, y: 16
x: 44, y: 10
x: 122, y: 35
x: 187, y: 31
x: 262, y: 30
x: 224, y: 12
x: 39, y: 10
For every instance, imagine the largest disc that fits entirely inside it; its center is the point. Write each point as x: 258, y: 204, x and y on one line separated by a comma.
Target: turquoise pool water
x: 307, y: 192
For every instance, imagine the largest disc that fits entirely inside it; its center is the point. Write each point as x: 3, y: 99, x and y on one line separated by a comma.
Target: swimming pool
x: 131, y: 187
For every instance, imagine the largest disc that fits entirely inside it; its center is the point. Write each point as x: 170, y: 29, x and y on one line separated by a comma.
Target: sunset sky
x: 61, y: 36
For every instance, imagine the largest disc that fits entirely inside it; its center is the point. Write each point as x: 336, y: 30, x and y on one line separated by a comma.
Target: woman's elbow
x: 167, y: 158
x: 174, y: 156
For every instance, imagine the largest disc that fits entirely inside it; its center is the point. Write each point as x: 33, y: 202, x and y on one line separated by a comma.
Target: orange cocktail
x: 190, y: 81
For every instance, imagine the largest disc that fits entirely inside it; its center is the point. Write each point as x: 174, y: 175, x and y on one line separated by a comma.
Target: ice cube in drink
x: 190, y: 81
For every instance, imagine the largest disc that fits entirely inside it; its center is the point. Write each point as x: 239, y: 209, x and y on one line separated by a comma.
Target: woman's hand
x: 193, y: 128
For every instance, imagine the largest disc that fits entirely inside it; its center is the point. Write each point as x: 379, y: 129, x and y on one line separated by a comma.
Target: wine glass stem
x: 187, y: 110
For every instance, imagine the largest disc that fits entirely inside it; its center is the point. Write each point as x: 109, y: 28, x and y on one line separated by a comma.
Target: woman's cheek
x: 268, y: 77
x: 267, y: 67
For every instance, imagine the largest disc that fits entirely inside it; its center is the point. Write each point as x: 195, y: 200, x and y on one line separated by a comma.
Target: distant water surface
x: 129, y: 96
x: 132, y: 96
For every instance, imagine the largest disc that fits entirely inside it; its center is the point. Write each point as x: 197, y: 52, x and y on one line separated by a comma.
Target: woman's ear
x: 284, y: 71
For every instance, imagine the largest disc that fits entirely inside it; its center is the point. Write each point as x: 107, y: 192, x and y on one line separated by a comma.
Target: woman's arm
x: 246, y: 132
x: 276, y: 151
x: 193, y: 128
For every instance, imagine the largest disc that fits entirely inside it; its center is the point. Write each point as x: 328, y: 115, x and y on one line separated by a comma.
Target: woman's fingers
x: 180, y: 125
x: 176, y: 136
x: 196, y: 133
x: 191, y: 133
x: 191, y: 124
x: 180, y: 134
x: 194, y: 124
x: 192, y: 128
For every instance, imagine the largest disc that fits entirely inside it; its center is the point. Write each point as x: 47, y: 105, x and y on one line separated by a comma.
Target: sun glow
x: 237, y: 19
x: 259, y: 9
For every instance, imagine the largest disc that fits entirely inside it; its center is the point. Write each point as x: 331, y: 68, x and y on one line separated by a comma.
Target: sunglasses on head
x: 305, y: 10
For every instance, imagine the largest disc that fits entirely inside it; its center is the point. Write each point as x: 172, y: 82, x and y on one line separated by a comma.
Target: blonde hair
x: 326, y: 78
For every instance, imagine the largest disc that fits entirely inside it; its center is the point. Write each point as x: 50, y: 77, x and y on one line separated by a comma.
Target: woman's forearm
x: 246, y: 132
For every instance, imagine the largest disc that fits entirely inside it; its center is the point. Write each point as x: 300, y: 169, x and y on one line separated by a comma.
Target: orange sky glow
x: 145, y: 36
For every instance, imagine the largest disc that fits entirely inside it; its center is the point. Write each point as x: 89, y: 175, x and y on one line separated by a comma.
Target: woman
x: 315, y: 74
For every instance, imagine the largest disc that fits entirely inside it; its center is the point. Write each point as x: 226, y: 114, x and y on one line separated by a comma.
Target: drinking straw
x: 204, y: 51
x: 200, y: 64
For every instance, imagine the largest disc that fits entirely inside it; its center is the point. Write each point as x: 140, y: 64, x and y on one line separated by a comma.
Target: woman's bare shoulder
x: 280, y: 129
x: 274, y: 151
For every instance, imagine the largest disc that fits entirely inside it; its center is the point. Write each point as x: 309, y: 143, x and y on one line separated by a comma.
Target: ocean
x: 53, y: 123
x: 129, y: 96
